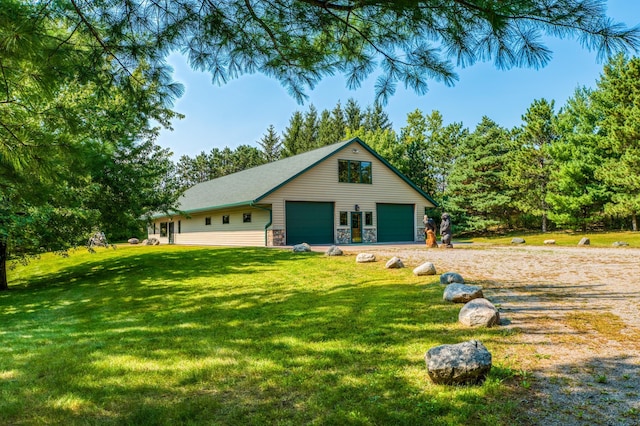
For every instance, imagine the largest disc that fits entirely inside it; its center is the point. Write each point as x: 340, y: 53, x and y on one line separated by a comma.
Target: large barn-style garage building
x: 338, y: 194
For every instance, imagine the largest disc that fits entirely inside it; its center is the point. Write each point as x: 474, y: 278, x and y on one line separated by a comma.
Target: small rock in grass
x: 451, y: 277
x: 426, y: 268
x: 479, y: 313
x: 334, y: 251
x: 394, y: 263
x: 462, y: 293
x: 365, y: 258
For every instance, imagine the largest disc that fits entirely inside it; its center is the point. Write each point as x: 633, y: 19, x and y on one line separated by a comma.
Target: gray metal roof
x: 251, y: 185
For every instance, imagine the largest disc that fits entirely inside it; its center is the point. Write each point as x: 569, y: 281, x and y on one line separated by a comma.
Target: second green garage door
x: 309, y: 222
x: 395, y: 223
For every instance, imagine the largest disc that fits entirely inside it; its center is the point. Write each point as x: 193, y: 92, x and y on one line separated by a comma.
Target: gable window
x: 352, y: 171
x: 207, y: 220
x: 246, y: 217
x: 225, y: 219
x: 368, y: 218
x: 343, y: 219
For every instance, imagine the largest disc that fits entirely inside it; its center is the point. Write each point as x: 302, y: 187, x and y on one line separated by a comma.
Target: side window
x: 225, y: 219
x: 365, y: 172
x: 343, y: 171
x: 246, y: 217
x: 344, y: 219
x: 368, y: 218
x: 354, y: 171
x: 207, y: 220
x: 163, y: 229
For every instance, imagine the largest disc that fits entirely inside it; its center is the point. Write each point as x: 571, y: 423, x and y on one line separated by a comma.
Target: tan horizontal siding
x: 222, y: 238
x: 193, y: 229
x: 321, y: 184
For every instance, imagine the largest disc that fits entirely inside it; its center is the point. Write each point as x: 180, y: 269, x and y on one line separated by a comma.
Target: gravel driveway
x: 575, y: 313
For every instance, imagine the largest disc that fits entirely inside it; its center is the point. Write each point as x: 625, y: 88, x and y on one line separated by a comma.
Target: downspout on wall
x: 266, y: 227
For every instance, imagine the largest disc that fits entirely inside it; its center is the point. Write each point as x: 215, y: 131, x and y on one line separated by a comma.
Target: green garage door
x: 309, y: 222
x: 395, y: 223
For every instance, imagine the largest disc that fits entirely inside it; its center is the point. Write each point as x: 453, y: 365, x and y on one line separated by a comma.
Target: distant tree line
x: 574, y: 168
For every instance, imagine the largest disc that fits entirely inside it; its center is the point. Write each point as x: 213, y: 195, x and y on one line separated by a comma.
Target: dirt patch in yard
x: 575, y: 315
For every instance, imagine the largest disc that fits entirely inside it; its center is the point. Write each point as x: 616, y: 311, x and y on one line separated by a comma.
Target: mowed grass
x: 189, y: 335
x: 566, y: 238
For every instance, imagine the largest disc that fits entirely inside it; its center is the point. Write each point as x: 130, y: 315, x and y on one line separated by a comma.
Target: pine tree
x: 376, y: 118
x: 271, y: 145
x: 309, y: 131
x: 353, y: 115
x: 291, y: 139
x: 530, y: 163
x: 617, y: 102
x: 575, y: 194
x: 326, y: 135
x: 414, y: 159
x: 441, y: 145
x: 477, y: 197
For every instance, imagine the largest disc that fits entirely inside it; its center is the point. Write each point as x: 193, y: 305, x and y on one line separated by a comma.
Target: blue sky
x: 241, y: 111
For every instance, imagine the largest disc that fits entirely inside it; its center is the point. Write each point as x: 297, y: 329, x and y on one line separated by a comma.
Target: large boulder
x: 133, y: 241
x: 333, y: 251
x: 620, y: 244
x: 479, y: 313
x: 426, y: 268
x: 394, y: 263
x: 451, y: 277
x: 517, y: 240
x: 549, y: 242
x: 462, y: 293
x: 365, y: 258
x: 462, y: 363
x: 301, y: 248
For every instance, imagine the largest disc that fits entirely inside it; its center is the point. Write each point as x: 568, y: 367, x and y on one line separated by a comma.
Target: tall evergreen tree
x: 291, y: 139
x: 271, y: 145
x: 326, y: 133
x: 309, y: 131
x: 338, y: 123
x: 414, y: 159
x: 617, y: 102
x: 530, y: 163
x: 376, y: 118
x: 442, y: 142
x: 353, y: 115
x: 68, y: 122
x: 575, y: 194
x: 477, y: 197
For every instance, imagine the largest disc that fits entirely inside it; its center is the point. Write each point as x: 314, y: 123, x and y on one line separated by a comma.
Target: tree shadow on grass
x: 135, y: 347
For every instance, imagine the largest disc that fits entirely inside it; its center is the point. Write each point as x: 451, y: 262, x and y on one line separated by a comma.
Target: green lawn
x: 562, y: 238
x: 191, y: 335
